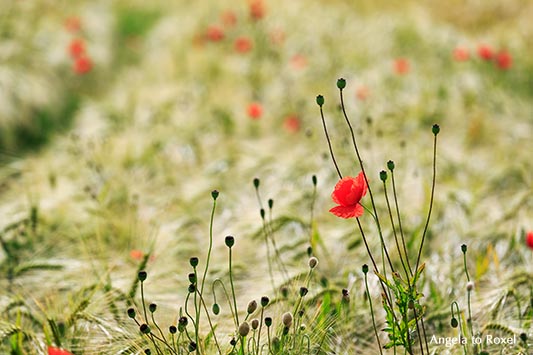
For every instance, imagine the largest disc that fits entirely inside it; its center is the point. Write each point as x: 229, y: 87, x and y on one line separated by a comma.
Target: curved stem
x: 329, y: 143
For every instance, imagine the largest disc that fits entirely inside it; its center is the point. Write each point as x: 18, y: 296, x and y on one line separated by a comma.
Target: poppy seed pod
x: 147, y: 352
x: 365, y: 268
x: 216, y: 309
x: 286, y: 319
x: 454, y: 322
x: 464, y: 248
x: 435, y: 129
x: 214, y: 194
x: 383, y: 175
x: 390, y: 165
x: 244, y: 329
x: 192, y: 278
x: 268, y: 321
x: 341, y: 83
x: 320, y: 100
x: 230, y: 241
x: 144, y: 328
x: 192, y: 346
x: 270, y: 203
x: 256, y: 182
x: 191, y: 288
x: 313, y: 178
x: 131, y: 313
x: 233, y: 342
x: 303, y: 291
x: 255, y: 323
x: 152, y: 307
x: 193, y: 261
x: 142, y: 275
x: 264, y: 301
x: 313, y: 262
x: 172, y: 329
x: 252, y: 306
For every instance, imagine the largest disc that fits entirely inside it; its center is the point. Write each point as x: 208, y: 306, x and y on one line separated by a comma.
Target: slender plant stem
x: 329, y: 143
x: 233, y: 290
x: 227, y: 298
x: 400, y: 222
x: 433, y: 179
x: 372, y: 314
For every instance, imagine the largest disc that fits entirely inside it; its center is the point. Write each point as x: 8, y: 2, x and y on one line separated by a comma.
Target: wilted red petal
x: 347, y: 211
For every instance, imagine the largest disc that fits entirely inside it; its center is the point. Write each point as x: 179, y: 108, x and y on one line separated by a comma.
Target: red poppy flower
x: 362, y: 93
x: 82, y: 65
x: 485, y: 52
x: 461, y: 54
x: 73, y: 24
x: 257, y: 9
x: 504, y: 60
x: 243, y: 44
x: 347, y: 194
x: 229, y: 19
x: 292, y: 124
x: 57, y: 351
x: 401, y: 66
x: 255, y: 111
x: 214, y: 33
x: 76, y: 47
x: 529, y: 240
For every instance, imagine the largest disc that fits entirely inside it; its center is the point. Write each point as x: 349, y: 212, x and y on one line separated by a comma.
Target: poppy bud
x: 142, y: 275
x: 183, y: 321
x: 191, y: 288
x: 192, y: 346
x: 303, y: 291
x: 230, y: 241
x: 313, y: 262
x: 262, y: 213
x: 284, y: 291
x: 233, y: 342
x: 216, y: 309
x: 256, y: 183
x: 131, y: 313
x: 309, y: 251
x: 144, y: 328
x: 286, y: 319
x: 152, y: 307
x: 313, y: 178
x: 341, y: 83
x: 268, y: 321
x: 285, y: 330
x: 469, y: 286
x: 214, y: 194
x: 523, y: 337
x: 390, y: 165
x: 383, y: 175
x: 252, y: 306
x: 172, y: 329
x: 270, y: 203
x: 320, y: 100
x: 193, y: 261
x: 464, y: 248
x: 147, y: 352
x: 255, y: 323
x: 435, y: 129
x: 365, y: 268
x: 264, y: 301
x: 192, y: 278
x: 454, y: 323
x: 244, y: 329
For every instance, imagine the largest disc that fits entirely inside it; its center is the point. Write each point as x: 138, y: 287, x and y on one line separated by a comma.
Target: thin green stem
x: 233, y: 289
x: 400, y: 222
x: 329, y: 143
x: 372, y: 314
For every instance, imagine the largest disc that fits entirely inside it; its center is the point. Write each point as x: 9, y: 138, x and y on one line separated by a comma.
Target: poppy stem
x: 329, y: 143
x: 372, y: 313
x: 400, y: 221
x: 343, y: 108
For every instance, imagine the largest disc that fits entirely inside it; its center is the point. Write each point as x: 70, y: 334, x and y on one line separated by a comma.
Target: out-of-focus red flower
x: 76, y: 47
x: 82, y: 65
x: 401, y: 66
x: 257, y: 9
x: 243, y: 44
x: 347, y: 194
x: 228, y: 18
x: 73, y: 24
x: 136, y: 254
x: 504, y: 60
x: 362, y: 93
x: 57, y: 351
x: 292, y: 123
x: 298, y: 61
x: 461, y: 54
x: 255, y: 111
x: 485, y: 52
x: 277, y: 36
x: 214, y: 33
x: 529, y: 239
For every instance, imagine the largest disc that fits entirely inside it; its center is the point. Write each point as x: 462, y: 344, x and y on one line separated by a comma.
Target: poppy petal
x: 347, y: 211
x: 361, y: 183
